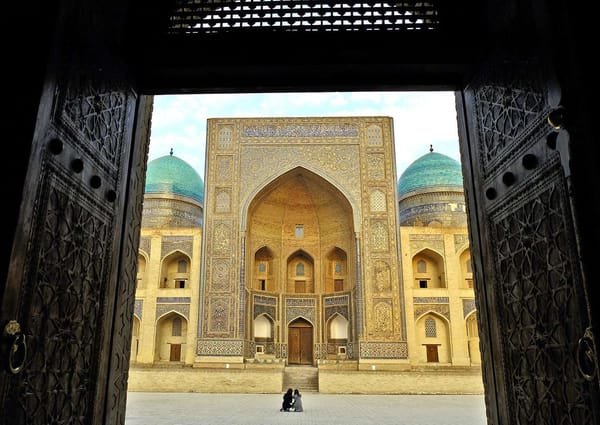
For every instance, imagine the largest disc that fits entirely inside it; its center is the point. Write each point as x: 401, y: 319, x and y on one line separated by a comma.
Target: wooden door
x: 432, y: 353
x: 300, y: 342
x: 71, y: 282
x: 175, y: 355
x: 530, y: 289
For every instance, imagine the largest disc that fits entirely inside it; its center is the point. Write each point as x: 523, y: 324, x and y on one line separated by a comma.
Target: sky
x: 420, y: 119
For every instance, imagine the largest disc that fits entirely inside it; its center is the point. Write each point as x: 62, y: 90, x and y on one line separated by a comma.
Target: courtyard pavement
x: 319, y: 409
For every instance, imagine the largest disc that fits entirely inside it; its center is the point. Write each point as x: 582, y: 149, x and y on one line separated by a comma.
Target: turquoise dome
x: 432, y: 170
x: 169, y: 174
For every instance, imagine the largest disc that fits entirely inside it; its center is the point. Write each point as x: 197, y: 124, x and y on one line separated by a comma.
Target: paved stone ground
x: 319, y: 409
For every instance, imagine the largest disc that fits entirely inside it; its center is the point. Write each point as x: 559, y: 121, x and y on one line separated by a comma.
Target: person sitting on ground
x: 297, y: 405
x: 288, y: 399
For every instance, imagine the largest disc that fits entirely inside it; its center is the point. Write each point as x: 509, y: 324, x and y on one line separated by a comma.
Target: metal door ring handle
x: 586, y: 355
x: 18, y: 354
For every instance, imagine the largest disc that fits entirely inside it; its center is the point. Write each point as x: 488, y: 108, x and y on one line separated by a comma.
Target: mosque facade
x: 302, y: 248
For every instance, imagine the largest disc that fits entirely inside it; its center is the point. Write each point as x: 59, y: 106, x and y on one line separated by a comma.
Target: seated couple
x: 292, y: 401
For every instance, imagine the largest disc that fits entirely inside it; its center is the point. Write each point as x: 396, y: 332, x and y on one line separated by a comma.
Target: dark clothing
x: 288, y: 399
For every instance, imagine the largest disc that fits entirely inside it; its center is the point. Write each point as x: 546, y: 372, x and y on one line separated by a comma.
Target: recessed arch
x: 175, y: 270
x: 428, y: 269
x: 171, y: 337
x: 433, y: 338
x: 308, y: 169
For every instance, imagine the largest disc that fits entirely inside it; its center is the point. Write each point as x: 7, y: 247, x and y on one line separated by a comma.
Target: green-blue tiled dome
x: 432, y: 170
x: 169, y: 174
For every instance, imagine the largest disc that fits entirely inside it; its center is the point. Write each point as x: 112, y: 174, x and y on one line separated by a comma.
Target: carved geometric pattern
x: 376, y: 166
x: 221, y: 238
x: 341, y: 300
x: 224, y: 168
x: 300, y: 307
x: 183, y: 309
x: 506, y: 112
x: 175, y: 300
x: 442, y: 309
x: 306, y: 312
x: 264, y: 309
x: 69, y: 268
x: 263, y: 299
x: 435, y: 243
x: 218, y: 314
x: 382, y: 277
x: 295, y: 302
x: 225, y: 137
x: 374, y: 135
x: 339, y: 309
x: 190, y: 17
x: 177, y: 243
x: 378, y: 202
x: 383, y: 317
x: 468, y: 306
x: 379, y: 235
x: 537, y: 265
x: 383, y: 350
x: 431, y: 300
x: 221, y: 281
x: 430, y: 328
x: 99, y: 116
x: 224, y: 347
x: 223, y: 201
x: 261, y: 162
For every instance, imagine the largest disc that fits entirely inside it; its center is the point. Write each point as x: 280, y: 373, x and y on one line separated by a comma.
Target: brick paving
x: 319, y: 409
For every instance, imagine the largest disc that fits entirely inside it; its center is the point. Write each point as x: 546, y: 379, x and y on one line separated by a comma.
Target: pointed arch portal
x: 300, y: 342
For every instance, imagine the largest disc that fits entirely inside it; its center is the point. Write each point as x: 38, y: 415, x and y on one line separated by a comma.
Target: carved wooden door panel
x: 71, y: 285
x: 294, y: 345
x: 530, y: 293
x: 300, y: 340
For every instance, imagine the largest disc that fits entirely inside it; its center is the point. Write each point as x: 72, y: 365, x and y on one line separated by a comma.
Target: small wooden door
x: 432, y: 353
x: 300, y: 340
x: 175, y: 353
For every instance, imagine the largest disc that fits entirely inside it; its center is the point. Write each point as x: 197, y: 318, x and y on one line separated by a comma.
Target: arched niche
x: 263, y: 277
x: 466, y: 269
x: 135, y: 338
x: 263, y: 330
x: 336, y: 271
x: 428, y: 270
x: 300, y: 273
x: 175, y: 271
x: 433, y: 339
x: 171, y: 335
x: 473, y: 338
x: 141, y: 276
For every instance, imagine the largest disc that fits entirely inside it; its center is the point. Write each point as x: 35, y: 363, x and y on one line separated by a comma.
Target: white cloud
x: 420, y: 119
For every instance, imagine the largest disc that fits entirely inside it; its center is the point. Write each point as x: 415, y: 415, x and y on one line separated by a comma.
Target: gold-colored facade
x: 301, y: 259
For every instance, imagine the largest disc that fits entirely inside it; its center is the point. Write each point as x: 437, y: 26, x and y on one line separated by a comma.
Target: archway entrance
x: 300, y: 342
